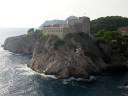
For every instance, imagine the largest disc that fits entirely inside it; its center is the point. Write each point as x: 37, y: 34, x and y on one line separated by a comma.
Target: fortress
x: 82, y: 24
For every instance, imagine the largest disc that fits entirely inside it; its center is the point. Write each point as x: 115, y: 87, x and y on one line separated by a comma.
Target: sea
x: 16, y: 79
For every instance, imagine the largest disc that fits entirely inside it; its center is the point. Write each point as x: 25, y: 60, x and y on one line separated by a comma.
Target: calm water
x: 18, y: 80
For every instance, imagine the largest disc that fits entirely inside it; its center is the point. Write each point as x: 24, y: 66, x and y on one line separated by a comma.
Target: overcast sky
x: 32, y: 13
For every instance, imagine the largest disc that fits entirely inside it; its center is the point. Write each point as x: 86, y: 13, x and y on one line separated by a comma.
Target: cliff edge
x: 75, y: 56
x: 21, y: 44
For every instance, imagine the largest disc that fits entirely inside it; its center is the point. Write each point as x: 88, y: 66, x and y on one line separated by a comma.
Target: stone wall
x: 53, y: 30
x: 73, y: 26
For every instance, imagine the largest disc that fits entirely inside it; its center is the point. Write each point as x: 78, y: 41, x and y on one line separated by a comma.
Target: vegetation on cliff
x: 113, y: 46
x: 107, y: 36
x: 118, y: 43
x: 56, y: 43
x: 32, y: 30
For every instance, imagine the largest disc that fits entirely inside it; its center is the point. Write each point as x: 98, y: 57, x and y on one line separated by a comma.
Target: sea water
x: 16, y: 79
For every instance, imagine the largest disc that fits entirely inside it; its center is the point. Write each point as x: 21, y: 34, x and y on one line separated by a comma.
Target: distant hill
x: 48, y: 22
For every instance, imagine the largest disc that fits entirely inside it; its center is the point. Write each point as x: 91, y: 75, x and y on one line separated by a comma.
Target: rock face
x: 21, y: 44
x: 77, y: 57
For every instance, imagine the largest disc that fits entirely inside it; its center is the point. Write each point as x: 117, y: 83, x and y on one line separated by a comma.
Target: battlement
x: 82, y: 24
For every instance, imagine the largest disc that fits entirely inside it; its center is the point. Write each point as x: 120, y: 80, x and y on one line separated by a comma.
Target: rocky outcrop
x: 77, y: 56
x: 21, y: 44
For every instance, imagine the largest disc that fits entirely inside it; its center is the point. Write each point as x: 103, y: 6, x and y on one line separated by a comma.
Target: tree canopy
x: 107, y: 36
x: 110, y: 23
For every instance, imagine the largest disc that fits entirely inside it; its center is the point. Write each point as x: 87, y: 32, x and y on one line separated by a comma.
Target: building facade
x: 123, y: 30
x: 82, y: 24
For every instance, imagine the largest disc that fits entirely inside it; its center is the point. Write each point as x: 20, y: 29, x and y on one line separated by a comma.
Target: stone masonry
x: 82, y: 24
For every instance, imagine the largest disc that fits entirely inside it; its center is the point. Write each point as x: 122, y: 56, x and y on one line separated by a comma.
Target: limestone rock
x: 21, y: 44
x: 70, y: 58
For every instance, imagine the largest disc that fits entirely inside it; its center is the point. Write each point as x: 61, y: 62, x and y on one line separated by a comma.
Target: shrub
x: 39, y: 36
x: 91, y: 54
x: 56, y: 43
x: 31, y: 30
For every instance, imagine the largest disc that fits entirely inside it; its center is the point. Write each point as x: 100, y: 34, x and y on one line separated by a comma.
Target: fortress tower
x: 82, y: 24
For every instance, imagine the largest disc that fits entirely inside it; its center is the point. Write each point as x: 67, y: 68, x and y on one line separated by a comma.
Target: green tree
x: 31, y: 30
x: 107, y: 36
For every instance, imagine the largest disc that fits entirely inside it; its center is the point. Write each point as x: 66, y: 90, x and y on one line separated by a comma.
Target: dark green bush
x: 91, y: 54
x: 30, y: 30
x: 56, y: 43
x: 39, y: 36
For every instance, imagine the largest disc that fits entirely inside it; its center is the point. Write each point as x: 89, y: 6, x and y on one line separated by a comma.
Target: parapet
x: 79, y: 20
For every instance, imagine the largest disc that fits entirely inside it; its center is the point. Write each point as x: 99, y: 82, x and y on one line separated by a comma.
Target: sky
x: 32, y: 13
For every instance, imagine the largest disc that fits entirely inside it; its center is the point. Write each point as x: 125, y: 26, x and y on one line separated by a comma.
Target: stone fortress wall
x: 82, y: 24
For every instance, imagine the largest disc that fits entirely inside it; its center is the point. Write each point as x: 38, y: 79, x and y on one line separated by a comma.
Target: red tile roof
x: 124, y: 28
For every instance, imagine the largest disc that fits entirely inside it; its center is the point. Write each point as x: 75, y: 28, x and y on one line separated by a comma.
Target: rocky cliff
x: 21, y: 44
x: 75, y: 56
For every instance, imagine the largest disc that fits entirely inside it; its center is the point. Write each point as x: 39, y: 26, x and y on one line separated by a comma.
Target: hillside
x: 110, y: 23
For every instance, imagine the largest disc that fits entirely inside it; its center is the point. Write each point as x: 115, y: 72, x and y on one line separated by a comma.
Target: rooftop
x: 124, y: 28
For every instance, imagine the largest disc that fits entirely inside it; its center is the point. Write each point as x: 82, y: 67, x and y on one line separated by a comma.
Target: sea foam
x: 82, y: 79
